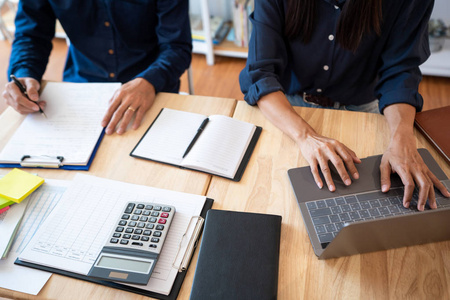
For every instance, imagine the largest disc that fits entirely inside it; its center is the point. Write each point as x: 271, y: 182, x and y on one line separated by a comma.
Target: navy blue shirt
x: 383, y: 67
x: 110, y: 40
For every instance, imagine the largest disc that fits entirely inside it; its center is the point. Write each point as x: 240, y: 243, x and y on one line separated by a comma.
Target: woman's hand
x: 134, y: 97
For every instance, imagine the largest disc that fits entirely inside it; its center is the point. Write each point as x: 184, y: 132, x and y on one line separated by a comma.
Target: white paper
x: 40, y: 203
x: 73, y: 235
x: 9, y: 221
x: 72, y: 128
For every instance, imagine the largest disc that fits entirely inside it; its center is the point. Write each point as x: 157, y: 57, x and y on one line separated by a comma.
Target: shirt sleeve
x: 175, y: 45
x: 34, y: 30
x: 267, y: 54
x: 407, y: 47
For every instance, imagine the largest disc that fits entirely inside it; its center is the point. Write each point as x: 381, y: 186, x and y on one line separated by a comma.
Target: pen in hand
x: 23, y: 90
x: 199, y: 131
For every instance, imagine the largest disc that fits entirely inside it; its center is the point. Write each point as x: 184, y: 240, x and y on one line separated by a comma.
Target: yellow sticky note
x: 18, y: 184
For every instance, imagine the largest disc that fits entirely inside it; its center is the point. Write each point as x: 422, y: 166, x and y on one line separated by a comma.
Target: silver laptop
x: 360, y: 218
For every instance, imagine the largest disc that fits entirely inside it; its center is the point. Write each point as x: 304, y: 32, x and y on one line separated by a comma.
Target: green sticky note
x: 5, y: 202
x: 17, y: 185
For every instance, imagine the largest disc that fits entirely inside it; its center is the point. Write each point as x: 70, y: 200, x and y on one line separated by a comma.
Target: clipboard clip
x: 41, y: 161
x: 192, y: 243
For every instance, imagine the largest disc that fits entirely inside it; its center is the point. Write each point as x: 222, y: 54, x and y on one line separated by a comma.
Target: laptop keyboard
x: 330, y: 215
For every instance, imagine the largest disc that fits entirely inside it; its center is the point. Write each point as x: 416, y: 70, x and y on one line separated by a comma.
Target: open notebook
x: 71, y: 133
x: 223, y: 148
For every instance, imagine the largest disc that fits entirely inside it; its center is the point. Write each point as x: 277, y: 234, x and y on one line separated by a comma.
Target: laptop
x: 360, y: 218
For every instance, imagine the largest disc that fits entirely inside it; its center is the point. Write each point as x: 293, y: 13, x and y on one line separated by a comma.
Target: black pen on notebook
x: 24, y: 91
x: 199, y: 131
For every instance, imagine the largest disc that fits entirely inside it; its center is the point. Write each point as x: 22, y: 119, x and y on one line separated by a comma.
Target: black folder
x: 238, y: 256
x: 173, y: 293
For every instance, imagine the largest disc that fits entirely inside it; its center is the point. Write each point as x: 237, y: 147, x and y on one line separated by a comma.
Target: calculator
x: 134, y: 244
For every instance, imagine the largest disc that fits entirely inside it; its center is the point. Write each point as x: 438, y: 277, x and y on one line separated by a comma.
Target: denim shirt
x: 110, y: 40
x: 384, y: 67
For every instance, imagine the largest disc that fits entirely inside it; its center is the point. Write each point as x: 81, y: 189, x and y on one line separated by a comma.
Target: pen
x: 199, y: 131
x: 24, y: 91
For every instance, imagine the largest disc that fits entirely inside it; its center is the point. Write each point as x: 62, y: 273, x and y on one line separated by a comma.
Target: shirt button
x: 331, y: 37
x: 319, y: 90
x: 326, y: 68
x: 111, y: 51
x: 112, y: 75
x: 336, y: 7
x: 107, y: 24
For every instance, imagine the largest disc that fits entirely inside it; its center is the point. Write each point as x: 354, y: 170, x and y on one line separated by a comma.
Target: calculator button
x: 136, y: 237
x: 119, y: 229
x: 141, y: 225
x: 129, y: 208
x: 134, y: 218
x: 140, y: 206
x: 155, y: 214
x: 146, y: 213
x: 147, y: 232
x: 123, y: 223
x: 164, y: 215
x: 150, y: 226
x: 155, y: 240
x: 138, y: 231
x: 116, y: 235
x: 114, y: 241
x: 166, y: 209
x: 127, y: 236
x: 144, y: 219
x: 125, y: 217
x: 159, y: 227
x: 153, y: 246
x: 132, y: 224
x: 137, y: 244
x: 145, y: 238
x: 124, y: 242
x: 162, y: 221
x: 158, y: 208
x: 129, y: 230
x: 149, y: 207
x: 157, y: 233
x: 138, y: 212
x: 152, y: 220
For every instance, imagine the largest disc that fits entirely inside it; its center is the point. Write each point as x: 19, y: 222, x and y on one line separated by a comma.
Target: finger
x: 326, y: 173
x: 340, y: 167
x: 113, y: 105
x: 18, y: 99
x: 117, y: 116
x: 127, y: 115
x: 348, y: 156
x: 409, y: 186
x: 139, y: 116
x: 439, y: 185
x: 315, y: 173
x: 32, y: 86
x: 14, y: 104
x: 385, y: 172
x: 424, y: 190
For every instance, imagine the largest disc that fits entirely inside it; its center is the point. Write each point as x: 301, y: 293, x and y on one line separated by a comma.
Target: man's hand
x: 14, y: 97
x: 134, y: 97
x: 402, y: 158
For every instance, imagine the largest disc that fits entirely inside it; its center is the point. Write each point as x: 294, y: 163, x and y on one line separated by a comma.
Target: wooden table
x: 113, y: 161
x: 419, y: 272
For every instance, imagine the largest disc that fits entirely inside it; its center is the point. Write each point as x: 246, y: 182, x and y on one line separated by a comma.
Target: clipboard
x: 182, y: 269
x: 54, y: 162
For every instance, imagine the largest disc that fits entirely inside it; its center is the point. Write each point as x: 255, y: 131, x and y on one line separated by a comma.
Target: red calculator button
x: 162, y: 221
x: 164, y: 215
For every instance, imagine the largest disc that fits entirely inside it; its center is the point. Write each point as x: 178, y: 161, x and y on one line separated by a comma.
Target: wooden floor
x: 219, y: 80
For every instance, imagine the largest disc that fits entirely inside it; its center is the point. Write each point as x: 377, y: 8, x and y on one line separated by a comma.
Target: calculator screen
x: 124, y: 264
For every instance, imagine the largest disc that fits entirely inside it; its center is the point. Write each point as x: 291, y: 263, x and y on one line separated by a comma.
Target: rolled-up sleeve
x: 35, y: 28
x: 267, y: 54
x: 406, y: 48
x: 175, y: 45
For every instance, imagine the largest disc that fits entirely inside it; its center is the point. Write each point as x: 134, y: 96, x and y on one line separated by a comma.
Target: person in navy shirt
x: 360, y: 55
x: 145, y: 44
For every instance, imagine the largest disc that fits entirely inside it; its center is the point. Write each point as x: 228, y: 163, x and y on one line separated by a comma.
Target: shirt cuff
x: 20, y: 73
x: 261, y: 88
x: 407, y: 96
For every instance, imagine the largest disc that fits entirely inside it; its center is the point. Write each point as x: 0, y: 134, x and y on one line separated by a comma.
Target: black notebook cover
x: 239, y: 171
x: 173, y: 293
x: 238, y: 256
